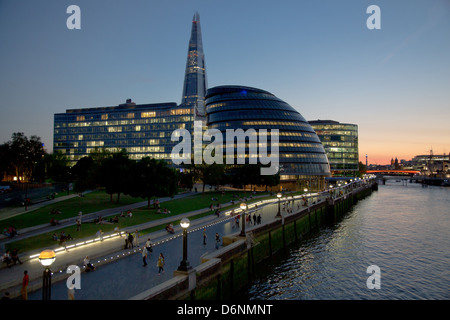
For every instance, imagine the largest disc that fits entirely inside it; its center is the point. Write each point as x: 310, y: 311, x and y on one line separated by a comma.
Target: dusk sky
x: 318, y: 56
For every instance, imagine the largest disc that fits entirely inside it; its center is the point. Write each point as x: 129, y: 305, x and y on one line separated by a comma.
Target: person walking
x: 100, y: 234
x: 130, y: 240
x: 144, y: 256
x: 160, y: 263
x: 78, y: 224
x: 25, y: 281
x: 88, y: 265
x: 149, y: 246
x: 136, y: 238
x: 217, y: 240
x: 204, y: 236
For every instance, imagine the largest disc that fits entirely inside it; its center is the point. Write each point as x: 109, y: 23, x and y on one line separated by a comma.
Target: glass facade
x: 340, y: 141
x: 142, y: 130
x: 300, y: 151
x: 195, y: 83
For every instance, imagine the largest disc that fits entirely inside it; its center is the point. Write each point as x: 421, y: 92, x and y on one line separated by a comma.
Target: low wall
x: 225, y: 271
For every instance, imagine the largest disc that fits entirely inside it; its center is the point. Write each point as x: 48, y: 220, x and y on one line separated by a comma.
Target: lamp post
x: 46, y: 258
x: 279, y: 195
x: 243, y: 207
x: 184, y: 264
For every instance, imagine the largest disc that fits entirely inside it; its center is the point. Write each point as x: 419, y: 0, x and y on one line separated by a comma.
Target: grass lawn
x: 140, y: 215
x: 91, y: 202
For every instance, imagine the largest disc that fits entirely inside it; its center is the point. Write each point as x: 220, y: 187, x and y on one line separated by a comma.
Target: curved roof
x: 242, y: 107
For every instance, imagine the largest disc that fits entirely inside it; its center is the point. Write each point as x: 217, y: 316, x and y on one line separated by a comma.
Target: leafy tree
x: 152, y: 178
x: 53, y: 167
x: 5, y: 161
x: 23, y: 153
x: 84, y: 174
x: 212, y: 174
x: 114, y: 172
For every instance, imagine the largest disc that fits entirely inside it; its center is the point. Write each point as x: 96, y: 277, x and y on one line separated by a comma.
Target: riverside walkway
x: 120, y: 274
x: 104, y: 253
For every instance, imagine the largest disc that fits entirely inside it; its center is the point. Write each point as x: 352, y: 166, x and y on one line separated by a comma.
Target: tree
x: 113, y: 173
x: 84, y: 174
x: 53, y: 167
x: 5, y: 161
x: 152, y: 178
x: 212, y: 174
x: 23, y: 154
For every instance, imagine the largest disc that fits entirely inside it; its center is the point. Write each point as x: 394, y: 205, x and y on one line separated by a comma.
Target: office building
x: 340, y: 141
x: 301, y: 154
x: 142, y: 130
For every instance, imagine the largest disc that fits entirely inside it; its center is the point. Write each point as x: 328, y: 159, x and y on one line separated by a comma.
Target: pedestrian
x: 130, y: 240
x: 204, y: 236
x: 136, y: 240
x: 160, y: 263
x: 149, y: 246
x: 217, y: 240
x: 254, y: 219
x: 259, y: 219
x: 78, y: 224
x: 62, y: 240
x: 100, y: 234
x: 126, y: 242
x: 15, y: 256
x: 25, y: 281
x: 88, y: 265
x: 144, y: 256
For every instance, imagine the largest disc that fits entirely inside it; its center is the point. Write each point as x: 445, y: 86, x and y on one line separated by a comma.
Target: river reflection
x: 404, y: 230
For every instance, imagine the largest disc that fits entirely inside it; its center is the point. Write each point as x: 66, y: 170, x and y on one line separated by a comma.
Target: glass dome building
x: 302, y: 158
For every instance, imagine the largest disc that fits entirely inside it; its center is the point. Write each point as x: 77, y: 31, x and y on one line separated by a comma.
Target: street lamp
x: 46, y: 258
x: 279, y: 195
x: 184, y: 264
x: 243, y: 207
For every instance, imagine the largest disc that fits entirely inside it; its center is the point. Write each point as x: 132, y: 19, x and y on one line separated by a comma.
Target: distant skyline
x: 318, y: 56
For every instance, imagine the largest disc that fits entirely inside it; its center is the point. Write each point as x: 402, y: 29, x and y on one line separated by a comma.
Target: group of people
x: 131, y: 240
x: 10, y: 232
x: 146, y: 250
x: 165, y: 211
x: 63, y: 238
x: 256, y: 219
x: 55, y: 211
x: 169, y: 228
x: 10, y: 258
x: 216, y: 239
x: 123, y: 214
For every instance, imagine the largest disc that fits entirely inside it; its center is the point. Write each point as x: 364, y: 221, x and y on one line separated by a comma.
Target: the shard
x: 195, y: 83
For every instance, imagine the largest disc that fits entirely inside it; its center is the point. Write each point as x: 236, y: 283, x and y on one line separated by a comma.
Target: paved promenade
x: 122, y: 269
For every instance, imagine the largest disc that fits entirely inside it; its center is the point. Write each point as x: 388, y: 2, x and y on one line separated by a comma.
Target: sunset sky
x: 318, y: 56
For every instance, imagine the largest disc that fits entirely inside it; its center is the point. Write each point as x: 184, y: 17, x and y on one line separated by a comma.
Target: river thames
x: 404, y: 230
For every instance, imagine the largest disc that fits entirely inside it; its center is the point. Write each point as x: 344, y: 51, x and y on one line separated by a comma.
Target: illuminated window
x: 180, y: 111
x: 81, y: 118
x: 105, y: 116
x: 149, y: 114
